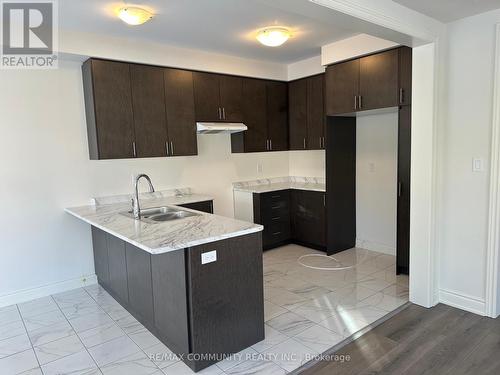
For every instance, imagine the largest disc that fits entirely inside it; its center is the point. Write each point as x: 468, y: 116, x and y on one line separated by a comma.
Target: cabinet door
x: 315, y: 112
x: 254, y: 115
x: 403, y: 215
x: 231, y: 92
x: 100, y: 246
x: 112, y: 100
x: 277, y: 115
x: 378, y: 80
x: 405, y: 68
x: 179, y: 103
x: 309, y: 217
x: 206, y: 96
x: 117, y: 267
x: 140, y: 288
x: 148, y: 100
x: 297, y: 97
x: 342, y: 87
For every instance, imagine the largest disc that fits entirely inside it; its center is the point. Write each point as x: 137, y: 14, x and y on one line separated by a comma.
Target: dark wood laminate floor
x: 441, y: 340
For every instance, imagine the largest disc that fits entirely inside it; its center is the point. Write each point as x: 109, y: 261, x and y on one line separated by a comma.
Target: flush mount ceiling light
x: 273, y: 36
x: 134, y: 15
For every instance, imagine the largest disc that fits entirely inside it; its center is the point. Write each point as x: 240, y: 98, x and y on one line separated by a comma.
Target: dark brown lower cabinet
x: 272, y: 210
x: 403, y: 207
x: 309, y: 218
x: 291, y: 216
x: 205, y: 206
x: 117, y: 265
x: 195, y: 309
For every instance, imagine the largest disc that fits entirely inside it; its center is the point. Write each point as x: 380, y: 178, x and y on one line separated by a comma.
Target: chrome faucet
x: 135, y: 200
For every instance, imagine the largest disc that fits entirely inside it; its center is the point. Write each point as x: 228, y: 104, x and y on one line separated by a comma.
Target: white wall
x: 376, y: 181
x: 45, y: 167
x: 307, y: 163
x: 305, y: 68
x: 467, y: 134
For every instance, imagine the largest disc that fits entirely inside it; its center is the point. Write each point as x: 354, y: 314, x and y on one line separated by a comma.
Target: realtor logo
x: 29, y: 34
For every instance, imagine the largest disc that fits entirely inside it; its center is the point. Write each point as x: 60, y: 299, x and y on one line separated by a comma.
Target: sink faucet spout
x: 135, y: 201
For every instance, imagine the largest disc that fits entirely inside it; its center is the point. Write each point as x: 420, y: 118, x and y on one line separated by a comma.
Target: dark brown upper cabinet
x: 231, y: 93
x: 297, y: 112
x: 316, y: 113
x: 138, y: 110
x: 342, y: 87
x: 376, y: 81
x: 218, y: 97
x: 255, y: 118
x: 405, y: 68
x: 307, y: 113
x: 148, y: 106
x: 108, y: 99
x: 277, y: 115
x: 179, y: 104
x: 265, y: 110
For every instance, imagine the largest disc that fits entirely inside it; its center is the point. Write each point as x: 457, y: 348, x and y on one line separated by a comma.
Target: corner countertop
x: 162, y: 237
x: 281, y: 183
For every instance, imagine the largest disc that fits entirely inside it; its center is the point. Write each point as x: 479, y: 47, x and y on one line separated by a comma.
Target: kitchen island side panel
x: 226, y: 297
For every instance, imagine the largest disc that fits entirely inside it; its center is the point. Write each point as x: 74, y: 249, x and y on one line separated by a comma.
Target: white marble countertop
x: 281, y: 183
x: 162, y: 237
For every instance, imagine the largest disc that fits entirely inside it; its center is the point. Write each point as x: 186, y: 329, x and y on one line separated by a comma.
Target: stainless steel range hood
x: 220, y: 127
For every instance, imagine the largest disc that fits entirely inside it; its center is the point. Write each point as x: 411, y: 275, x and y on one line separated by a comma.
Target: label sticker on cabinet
x: 209, y: 257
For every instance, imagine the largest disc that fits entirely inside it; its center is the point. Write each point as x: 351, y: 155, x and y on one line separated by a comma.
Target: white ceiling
x: 450, y: 10
x: 224, y: 26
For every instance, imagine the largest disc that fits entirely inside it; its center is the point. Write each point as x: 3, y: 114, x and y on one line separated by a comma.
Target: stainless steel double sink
x: 161, y: 214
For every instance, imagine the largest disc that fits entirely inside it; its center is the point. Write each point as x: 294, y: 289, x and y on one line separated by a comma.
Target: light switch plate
x: 477, y: 165
x: 209, y: 257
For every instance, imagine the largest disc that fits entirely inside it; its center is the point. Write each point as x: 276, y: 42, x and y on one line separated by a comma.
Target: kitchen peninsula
x: 196, y: 282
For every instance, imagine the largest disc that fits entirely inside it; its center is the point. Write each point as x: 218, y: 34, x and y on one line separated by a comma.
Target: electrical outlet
x: 209, y: 257
x: 371, y: 167
x: 260, y: 168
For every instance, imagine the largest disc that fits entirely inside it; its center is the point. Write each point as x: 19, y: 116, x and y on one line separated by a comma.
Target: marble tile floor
x: 85, y: 331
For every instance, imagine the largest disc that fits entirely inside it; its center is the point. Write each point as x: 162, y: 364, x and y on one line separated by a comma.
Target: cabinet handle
x: 324, y: 200
x: 276, y: 233
x: 134, y: 149
x: 355, y: 102
x: 360, y: 101
x: 223, y: 113
x: 304, y: 143
x: 267, y: 144
x: 401, y: 96
x: 172, y: 147
x: 400, y: 187
x: 166, y: 146
x: 270, y: 145
x: 276, y: 218
x: 219, y: 113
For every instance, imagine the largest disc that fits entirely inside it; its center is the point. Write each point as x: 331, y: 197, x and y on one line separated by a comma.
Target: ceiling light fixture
x: 134, y: 15
x: 273, y: 36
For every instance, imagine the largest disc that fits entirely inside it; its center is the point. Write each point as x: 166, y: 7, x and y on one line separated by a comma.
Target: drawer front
x: 276, y: 232
x: 275, y: 204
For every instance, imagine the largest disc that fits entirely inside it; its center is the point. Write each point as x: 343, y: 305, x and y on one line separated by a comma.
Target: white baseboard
x: 46, y: 290
x: 462, y: 301
x: 374, y: 246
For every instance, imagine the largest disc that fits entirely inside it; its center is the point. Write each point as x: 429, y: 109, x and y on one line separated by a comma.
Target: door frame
x: 426, y: 35
x: 492, y: 307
